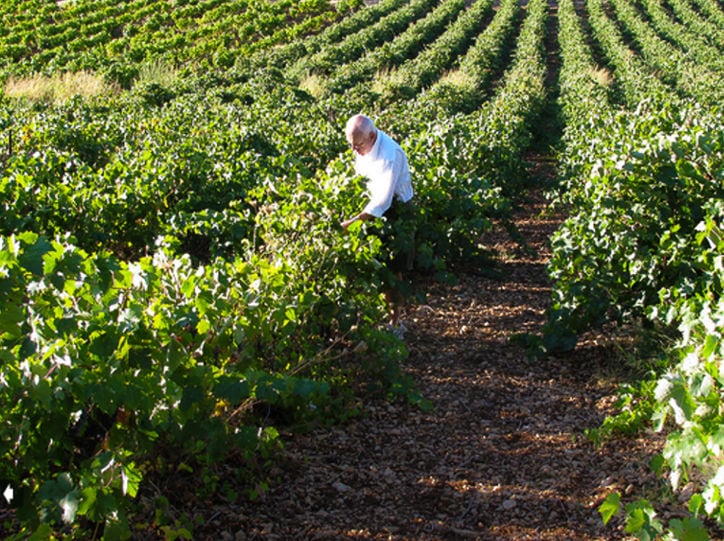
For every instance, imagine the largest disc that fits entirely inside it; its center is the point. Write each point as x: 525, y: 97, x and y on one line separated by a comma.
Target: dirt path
x: 501, y: 455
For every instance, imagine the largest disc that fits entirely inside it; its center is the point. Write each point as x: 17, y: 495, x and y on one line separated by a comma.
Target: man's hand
x: 362, y: 216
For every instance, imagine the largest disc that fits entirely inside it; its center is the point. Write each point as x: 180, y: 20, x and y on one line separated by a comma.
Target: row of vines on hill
x: 113, y: 38
x: 643, y: 240
x: 174, y: 284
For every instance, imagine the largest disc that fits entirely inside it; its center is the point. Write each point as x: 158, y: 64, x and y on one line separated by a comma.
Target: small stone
x: 341, y: 487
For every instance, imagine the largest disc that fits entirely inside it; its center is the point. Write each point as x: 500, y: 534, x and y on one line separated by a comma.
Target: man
x: 383, y: 162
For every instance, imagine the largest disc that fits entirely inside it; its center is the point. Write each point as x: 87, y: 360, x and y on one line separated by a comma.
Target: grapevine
x: 175, y: 288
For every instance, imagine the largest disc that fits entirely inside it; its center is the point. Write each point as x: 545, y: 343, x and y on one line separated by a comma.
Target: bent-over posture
x: 383, y: 163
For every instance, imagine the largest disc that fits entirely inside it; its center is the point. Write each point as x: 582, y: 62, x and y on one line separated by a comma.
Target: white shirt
x: 387, y: 173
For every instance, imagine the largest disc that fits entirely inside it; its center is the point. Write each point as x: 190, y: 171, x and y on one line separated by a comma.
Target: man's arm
x: 361, y: 216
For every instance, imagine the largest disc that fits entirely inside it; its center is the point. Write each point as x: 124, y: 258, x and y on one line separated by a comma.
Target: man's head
x: 361, y: 134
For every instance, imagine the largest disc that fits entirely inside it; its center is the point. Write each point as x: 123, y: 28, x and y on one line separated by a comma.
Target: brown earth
x: 502, y: 453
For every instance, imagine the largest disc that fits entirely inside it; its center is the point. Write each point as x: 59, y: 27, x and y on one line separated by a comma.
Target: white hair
x: 360, y: 124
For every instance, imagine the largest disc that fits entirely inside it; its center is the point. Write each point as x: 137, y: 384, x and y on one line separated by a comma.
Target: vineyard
x: 177, y: 295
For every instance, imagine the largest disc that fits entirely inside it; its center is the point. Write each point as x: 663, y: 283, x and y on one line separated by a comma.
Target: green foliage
x: 426, y: 68
x: 109, y: 363
x: 636, y: 404
x: 174, y: 284
x: 644, y: 192
x: 353, y: 45
x: 641, y: 520
x: 394, y: 52
x: 643, y: 243
x: 610, y: 507
x: 111, y: 37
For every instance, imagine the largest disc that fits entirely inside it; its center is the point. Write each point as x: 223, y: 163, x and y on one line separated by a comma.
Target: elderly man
x: 383, y: 162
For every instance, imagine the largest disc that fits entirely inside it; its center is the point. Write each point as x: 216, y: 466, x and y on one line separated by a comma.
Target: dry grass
x: 602, y: 76
x: 157, y: 72
x: 57, y: 88
x: 458, y: 79
x: 313, y: 84
x: 383, y: 78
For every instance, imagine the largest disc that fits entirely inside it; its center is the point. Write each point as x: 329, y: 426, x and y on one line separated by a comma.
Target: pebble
x: 341, y: 487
